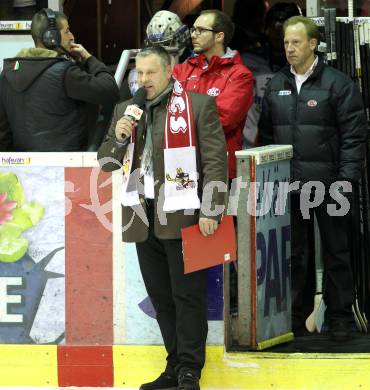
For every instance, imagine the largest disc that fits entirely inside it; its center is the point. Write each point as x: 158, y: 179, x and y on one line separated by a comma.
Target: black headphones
x: 51, y: 37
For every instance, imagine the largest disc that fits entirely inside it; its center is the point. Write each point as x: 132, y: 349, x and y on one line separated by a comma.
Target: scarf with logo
x: 181, y: 177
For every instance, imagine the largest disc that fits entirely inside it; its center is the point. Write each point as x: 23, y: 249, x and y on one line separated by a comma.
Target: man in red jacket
x: 219, y: 71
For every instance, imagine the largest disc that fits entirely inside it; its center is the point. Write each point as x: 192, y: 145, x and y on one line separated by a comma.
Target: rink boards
x: 129, y: 366
x: 73, y: 308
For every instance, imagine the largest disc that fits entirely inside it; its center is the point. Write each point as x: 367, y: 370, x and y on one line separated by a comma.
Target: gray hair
x: 158, y: 51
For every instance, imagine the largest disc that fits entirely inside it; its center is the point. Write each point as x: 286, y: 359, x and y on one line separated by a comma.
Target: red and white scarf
x: 130, y: 195
x: 181, y: 176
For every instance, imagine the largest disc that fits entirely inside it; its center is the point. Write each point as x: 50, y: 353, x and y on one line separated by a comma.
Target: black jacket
x: 44, y: 101
x: 325, y: 123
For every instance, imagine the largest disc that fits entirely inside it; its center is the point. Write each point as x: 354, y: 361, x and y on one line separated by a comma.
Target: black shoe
x: 163, y: 382
x: 339, y: 330
x: 188, y: 380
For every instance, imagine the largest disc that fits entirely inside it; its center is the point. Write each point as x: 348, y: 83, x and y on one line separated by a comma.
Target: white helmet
x: 165, y: 28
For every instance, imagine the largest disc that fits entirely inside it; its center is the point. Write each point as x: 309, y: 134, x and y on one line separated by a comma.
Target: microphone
x: 133, y: 110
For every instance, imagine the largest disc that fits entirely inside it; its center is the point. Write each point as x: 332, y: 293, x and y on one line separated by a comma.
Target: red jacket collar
x: 200, y: 60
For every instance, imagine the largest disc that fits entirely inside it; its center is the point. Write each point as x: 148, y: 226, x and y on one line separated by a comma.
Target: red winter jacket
x: 231, y: 82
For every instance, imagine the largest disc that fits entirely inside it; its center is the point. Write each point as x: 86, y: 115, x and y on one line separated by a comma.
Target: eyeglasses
x: 200, y: 30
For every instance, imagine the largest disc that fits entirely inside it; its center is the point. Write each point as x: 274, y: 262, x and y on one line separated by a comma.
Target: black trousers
x: 339, y: 288
x: 180, y: 300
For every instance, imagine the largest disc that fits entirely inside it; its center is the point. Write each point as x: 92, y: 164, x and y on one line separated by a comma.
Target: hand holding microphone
x: 131, y: 117
x: 124, y: 128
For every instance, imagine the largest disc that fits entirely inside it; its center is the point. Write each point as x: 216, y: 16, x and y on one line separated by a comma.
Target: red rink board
x: 89, y: 287
x: 85, y: 366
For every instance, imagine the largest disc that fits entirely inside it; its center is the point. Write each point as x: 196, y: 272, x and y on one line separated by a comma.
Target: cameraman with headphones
x: 46, y: 92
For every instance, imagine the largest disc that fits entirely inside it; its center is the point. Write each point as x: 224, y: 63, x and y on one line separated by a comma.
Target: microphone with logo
x: 133, y: 111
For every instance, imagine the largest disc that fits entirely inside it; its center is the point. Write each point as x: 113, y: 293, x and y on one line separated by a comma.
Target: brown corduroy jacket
x: 211, y: 159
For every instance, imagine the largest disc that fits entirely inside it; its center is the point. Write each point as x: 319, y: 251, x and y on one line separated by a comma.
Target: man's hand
x: 79, y: 52
x: 124, y: 128
x: 207, y: 226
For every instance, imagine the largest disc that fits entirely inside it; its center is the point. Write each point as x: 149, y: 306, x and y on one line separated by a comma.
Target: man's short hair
x: 40, y: 24
x: 221, y: 23
x: 311, y: 27
x: 156, y: 50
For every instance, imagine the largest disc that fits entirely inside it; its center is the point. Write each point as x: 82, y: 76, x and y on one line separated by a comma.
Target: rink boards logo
x: 15, y: 160
x: 312, y: 103
x: 213, y: 91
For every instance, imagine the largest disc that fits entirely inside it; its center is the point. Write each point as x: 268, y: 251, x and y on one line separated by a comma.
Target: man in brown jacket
x: 177, y: 153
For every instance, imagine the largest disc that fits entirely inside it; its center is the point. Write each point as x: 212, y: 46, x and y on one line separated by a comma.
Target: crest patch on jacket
x: 312, y: 103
